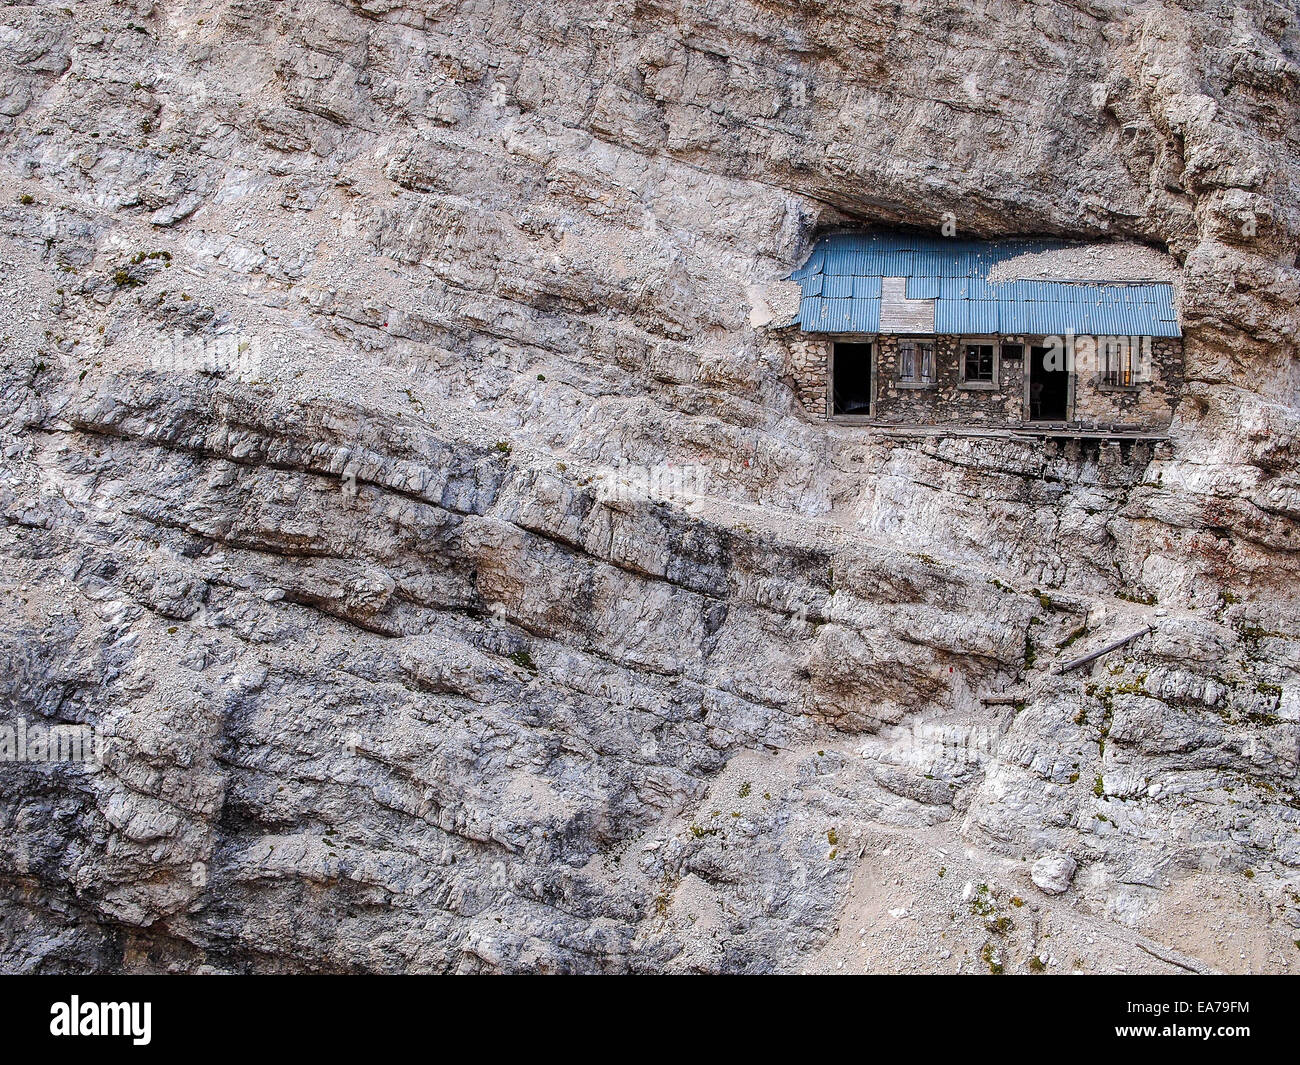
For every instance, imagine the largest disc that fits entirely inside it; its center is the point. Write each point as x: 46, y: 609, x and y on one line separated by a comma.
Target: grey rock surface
x: 402, y: 479
x: 1052, y: 873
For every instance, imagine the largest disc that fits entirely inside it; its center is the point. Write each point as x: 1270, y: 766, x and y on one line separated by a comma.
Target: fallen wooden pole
x: 1105, y: 650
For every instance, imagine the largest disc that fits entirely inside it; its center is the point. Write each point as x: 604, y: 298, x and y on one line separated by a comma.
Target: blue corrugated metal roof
x: 866, y: 288
x: 820, y: 315
x: 965, y: 316
x: 841, y: 289
x: 922, y: 288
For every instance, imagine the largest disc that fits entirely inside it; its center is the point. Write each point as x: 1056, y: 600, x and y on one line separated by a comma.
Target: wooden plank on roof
x: 898, y: 314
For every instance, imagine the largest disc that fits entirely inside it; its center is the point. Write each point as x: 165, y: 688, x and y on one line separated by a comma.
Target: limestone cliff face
x: 400, y: 477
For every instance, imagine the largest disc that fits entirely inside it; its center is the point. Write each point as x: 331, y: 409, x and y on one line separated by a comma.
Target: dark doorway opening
x: 851, y: 384
x: 1049, y: 387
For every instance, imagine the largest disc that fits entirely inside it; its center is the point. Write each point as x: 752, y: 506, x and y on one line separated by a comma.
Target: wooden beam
x: 1105, y: 650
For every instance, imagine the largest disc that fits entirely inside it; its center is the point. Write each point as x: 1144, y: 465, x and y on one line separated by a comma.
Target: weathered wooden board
x: 898, y: 314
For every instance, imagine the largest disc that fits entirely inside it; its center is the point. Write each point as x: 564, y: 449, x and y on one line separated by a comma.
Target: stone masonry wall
x: 809, y: 361
x: 949, y: 400
x: 1149, y: 405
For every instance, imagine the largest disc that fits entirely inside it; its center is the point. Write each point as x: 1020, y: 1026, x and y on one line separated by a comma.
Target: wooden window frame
x: 917, y: 382
x: 1104, y: 371
x: 977, y: 385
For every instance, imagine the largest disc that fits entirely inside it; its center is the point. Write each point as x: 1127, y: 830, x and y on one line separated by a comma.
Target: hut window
x: 916, y: 362
x: 978, y: 362
x: 1117, y: 362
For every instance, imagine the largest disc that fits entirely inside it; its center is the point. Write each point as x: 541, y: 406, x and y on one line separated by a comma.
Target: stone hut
x: 903, y: 331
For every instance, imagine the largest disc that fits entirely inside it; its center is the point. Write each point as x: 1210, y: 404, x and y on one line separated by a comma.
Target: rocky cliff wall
x: 400, y: 478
